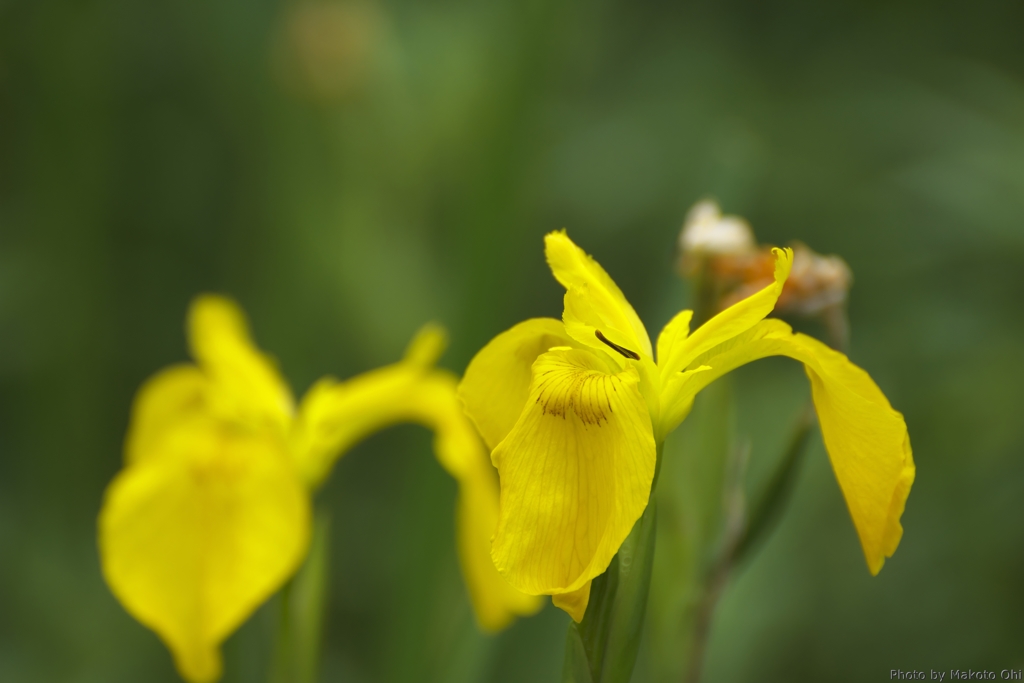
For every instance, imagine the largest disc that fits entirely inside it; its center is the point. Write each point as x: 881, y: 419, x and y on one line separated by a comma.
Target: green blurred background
x: 349, y: 171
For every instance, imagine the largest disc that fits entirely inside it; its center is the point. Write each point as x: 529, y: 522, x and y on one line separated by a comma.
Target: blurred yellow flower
x: 573, y: 410
x: 211, y: 513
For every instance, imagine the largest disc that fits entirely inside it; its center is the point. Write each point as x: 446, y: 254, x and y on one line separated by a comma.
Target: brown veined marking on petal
x: 558, y: 399
x: 621, y: 349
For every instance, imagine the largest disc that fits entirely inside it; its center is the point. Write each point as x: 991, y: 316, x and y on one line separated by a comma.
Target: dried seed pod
x: 707, y: 233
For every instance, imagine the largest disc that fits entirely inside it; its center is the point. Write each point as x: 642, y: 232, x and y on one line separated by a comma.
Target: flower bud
x: 722, y: 258
x: 816, y: 282
x: 707, y: 232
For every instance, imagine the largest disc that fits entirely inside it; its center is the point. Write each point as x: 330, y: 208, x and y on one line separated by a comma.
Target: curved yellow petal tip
x: 427, y: 345
x: 557, y: 238
x: 593, y: 302
x: 574, y: 603
x: 245, y: 383
x: 212, y: 316
x: 783, y: 262
x: 893, y: 529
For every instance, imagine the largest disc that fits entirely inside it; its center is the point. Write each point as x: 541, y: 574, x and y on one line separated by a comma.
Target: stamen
x: 624, y: 351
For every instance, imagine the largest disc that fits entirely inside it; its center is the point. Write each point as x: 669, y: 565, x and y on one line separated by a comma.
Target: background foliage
x: 349, y: 171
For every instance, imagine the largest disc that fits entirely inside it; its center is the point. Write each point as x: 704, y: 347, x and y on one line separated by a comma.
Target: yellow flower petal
x: 198, y: 534
x: 867, y: 441
x: 673, y: 334
x: 575, y: 472
x: 574, y: 603
x: 677, y: 400
x: 334, y: 416
x: 593, y: 300
x: 244, y: 383
x: 495, y: 602
x: 434, y: 403
x: 164, y: 401
x: 426, y: 346
x: 497, y: 381
x: 732, y: 321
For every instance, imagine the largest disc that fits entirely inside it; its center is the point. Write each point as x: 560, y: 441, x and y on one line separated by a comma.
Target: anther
x: 624, y: 351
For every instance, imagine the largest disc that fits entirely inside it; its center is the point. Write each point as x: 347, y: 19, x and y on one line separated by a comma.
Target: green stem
x: 280, y: 665
x: 743, y: 532
x: 603, y: 647
x: 705, y: 294
x: 302, y: 603
x: 768, y: 509
x: 734, y: 503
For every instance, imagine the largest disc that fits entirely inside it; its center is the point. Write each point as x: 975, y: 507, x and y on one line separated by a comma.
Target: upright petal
x: 244, y: 384
x: 575, y: 471
x: 673, y: 335
x: 168, y: 398
x: 497, y: 381
x: 734, y: 320
x: 867, y: 441
x: 426, y: 346
x: 593, y: 300
x: 198, y: 534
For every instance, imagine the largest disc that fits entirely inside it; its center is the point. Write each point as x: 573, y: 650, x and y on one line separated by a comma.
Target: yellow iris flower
x: 211, y: 513
x: 573, y: 411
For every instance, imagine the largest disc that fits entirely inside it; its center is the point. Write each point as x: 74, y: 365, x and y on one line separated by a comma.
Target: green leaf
x: 765, y: 513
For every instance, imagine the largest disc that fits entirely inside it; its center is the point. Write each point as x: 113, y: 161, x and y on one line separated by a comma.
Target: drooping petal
x: 576, y: 473
x: 497, y: 381
x: 244, y: 383
x: 495, y: 602
x: 330, y: 420
x: 459, y: 450
x: 197, y: 535
x: 334, y: 416
x: 734, y: 320
x: 593, y: 300
x: 867, y: 441
x: 168, y: 398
